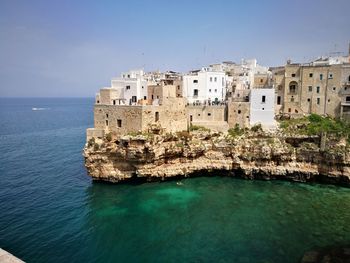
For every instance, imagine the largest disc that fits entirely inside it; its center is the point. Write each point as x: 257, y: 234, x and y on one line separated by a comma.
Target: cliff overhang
x: 252, y: 155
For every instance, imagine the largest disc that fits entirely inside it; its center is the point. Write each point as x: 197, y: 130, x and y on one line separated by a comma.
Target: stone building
x: 313, y: 88
x: 164, y: 111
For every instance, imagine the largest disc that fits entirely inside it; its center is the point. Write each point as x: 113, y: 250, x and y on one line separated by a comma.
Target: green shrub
x: 236, y: 131
x: 256, y: 127
x: 109, y: 136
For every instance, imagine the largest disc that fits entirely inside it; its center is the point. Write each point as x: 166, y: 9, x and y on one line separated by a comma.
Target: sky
x: 73, y: 48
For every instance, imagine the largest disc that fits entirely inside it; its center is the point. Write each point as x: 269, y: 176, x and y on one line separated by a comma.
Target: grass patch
x: 198, y: 128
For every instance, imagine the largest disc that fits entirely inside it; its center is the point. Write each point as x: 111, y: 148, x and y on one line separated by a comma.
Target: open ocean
x: 50, y: 211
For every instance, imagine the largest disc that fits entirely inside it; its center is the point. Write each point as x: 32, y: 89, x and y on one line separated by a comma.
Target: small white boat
x: 38, y: 108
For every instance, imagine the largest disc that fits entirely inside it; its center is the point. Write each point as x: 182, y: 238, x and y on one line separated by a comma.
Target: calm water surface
x: 50, y: 211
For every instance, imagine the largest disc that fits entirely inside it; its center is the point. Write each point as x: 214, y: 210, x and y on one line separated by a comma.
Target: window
x: 98, y: 102
x: 263, y: 99
x: 239, y: 111
x: 308, y: 99
x: 128, y: 76
x: 178, y: 87
x: 318, y: 89
x: 211, y: 79
x: 142, y: 86
x: 293, y: 87
x: 261, y: 80
x: 318, y: 101
x: 156, y: 116
x: 263, y: 108
x: 349, y: 78
x: 209, y: 114
x: 311, y: 75
x: 119, y: 123
x: 195, y: 92
x: 145, y: 97
x: 347, y: 99
x: 289, y: 110
x: 330, y: 76
x: 321, y: 76
x: 113, y: 102
x: 278, y: 100
x: 191, y: 118
x: 329, y: 100
x: 215, y: 79
x: 209, y: 90
x: 127, y: 87
x: 199, y: 114
x: 133, y: 98
x: 310, y: 88
x: 106, y: 122
x: 293, y: 75
x: 216, y: 90
x: 195, y: 81
x: 152, y: 96
x: 334, y: 88
x: 106, y: 115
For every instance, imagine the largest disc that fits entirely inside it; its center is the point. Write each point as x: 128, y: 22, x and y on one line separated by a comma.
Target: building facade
x: 204, y: 86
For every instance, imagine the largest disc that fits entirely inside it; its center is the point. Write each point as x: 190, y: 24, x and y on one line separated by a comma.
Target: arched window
x: 293, y: 86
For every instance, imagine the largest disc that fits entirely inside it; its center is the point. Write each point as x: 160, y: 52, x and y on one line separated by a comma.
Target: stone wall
x: 123, y: 119
x: 171, y: 115
x: 118, y: 118
x: 109, y: 96
x: 238, y: 113
x: 212, y: 117
x: 317, y: 89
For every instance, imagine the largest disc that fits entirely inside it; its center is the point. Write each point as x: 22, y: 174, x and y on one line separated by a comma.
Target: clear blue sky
x: 72, y: 48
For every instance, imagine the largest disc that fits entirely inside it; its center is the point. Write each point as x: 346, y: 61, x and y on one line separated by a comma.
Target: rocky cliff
x: 250, y: 155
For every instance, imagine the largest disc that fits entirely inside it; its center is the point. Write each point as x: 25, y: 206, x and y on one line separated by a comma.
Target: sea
x: 51, y: 210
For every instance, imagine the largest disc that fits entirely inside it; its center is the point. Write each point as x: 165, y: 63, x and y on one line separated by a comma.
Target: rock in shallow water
x: 327, y: 255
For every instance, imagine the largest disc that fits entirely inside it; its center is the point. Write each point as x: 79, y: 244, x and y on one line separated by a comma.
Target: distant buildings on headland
x: 222, y: 96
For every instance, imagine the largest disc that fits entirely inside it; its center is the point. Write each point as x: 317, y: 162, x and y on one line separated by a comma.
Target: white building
x: 262, y: 103
x: 132, y: 86
x: 205, y: 85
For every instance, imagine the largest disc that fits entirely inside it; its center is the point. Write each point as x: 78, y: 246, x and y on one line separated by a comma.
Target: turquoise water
x: 50, y: 211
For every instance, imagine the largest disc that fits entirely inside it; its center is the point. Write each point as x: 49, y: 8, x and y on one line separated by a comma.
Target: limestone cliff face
x: 253, y: 155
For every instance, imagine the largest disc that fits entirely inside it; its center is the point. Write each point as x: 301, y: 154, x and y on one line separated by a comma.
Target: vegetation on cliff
x: 317, y: 125
x: 298, y: 150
